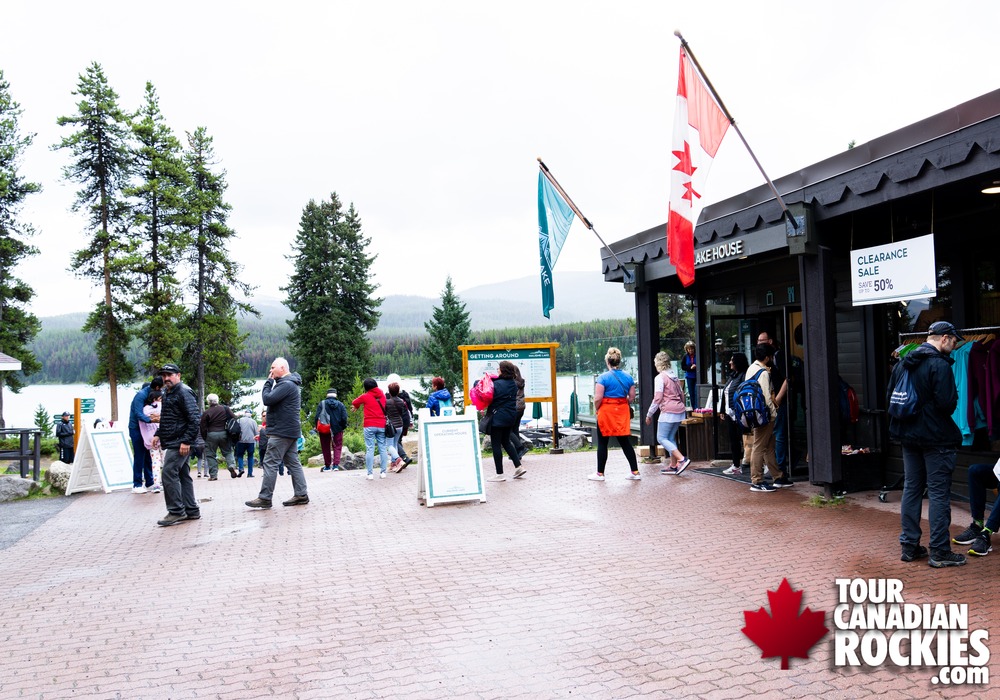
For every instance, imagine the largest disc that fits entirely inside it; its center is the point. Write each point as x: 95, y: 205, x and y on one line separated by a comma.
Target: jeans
x: 666, y: 435
x: 282, y: 450
x: 781, y: 438
x: 142, y: 463
x: 375, y: 436
x: 982, y: 477
x: 178, y: 488
x: 929, y: 467
x: 214, y: 441
x: 245, y: 448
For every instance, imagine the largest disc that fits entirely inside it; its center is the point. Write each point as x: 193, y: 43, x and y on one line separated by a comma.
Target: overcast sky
x: 429, y: 115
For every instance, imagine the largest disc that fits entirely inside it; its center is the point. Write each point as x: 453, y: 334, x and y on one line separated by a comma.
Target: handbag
x: 486, y: 422
x: 390, y: 430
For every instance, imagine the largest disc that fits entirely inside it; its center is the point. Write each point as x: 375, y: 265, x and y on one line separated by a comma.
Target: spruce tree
x: 448, y: 327
x: 214, y: 343
x: 331, y: 295
x: 161, y: 221
x: 18, y: 326
x: 102, y: 166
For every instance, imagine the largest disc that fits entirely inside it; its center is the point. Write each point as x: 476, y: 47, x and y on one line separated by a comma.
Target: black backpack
x: 233, y: 429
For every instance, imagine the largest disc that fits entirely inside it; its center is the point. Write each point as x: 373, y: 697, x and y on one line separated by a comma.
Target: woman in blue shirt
x: 614, y: 392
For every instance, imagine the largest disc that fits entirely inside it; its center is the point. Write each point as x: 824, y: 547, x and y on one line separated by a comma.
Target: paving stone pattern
x: 557, y: 587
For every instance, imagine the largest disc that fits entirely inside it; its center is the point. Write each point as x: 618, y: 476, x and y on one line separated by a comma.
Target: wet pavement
x: 556, y: 587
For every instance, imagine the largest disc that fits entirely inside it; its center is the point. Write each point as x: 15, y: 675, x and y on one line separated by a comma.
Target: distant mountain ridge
x: 579, y: 296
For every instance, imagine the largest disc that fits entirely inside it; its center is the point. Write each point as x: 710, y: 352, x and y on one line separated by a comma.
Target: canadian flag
x: 699, y: 126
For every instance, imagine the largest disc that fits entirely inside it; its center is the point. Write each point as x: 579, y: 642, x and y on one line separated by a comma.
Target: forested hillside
x: 67, y: 354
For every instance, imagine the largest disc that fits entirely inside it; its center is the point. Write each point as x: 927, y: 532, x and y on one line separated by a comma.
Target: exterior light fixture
x: 991, y: 187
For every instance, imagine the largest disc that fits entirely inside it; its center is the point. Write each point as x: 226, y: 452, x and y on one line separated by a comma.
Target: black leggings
x: 500, y: 438
x: 602, y: 451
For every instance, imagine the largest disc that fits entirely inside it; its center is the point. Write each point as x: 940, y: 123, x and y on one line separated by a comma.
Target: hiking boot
x: 912, y: 552
x: 981, y: 547
x: 171, y: 519
x: 296, y: 501
x: 969, y: 534
x: 941, y: 558
x: 259, y: 503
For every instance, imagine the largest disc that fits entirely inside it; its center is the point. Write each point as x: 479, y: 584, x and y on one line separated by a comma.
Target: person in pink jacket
x: 668, y: 399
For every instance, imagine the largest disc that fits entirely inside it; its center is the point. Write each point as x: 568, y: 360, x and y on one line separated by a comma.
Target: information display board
x: 103, y: 460
x: 536, y: 365
x: 450, y: 466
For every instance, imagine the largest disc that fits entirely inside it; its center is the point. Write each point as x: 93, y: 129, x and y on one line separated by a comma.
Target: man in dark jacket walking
x: 282, y: 396
x: 180, y: 418
x: 930, y: 439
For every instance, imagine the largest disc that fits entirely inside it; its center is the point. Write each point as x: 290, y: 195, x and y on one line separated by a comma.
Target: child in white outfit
x: 148, y: 430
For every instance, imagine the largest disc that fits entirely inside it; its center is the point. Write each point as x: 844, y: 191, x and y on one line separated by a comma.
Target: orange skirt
x: 613, y: 417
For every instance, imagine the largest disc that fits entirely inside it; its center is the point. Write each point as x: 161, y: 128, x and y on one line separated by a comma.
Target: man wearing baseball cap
x: 930, y: 441
x: 180, y: 418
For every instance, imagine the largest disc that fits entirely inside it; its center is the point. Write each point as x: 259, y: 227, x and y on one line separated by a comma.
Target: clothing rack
x: 963, y: 331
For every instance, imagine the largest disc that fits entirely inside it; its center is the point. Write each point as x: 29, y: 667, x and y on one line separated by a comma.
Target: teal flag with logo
x: 554, y: 219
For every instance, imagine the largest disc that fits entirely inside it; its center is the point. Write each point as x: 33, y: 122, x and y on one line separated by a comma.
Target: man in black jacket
x: 64, y: 431
x: 282, y: 396
x: 930, y: 439
x: 180, y: 418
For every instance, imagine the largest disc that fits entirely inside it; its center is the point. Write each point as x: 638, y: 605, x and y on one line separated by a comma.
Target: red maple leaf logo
x: 785, y: 632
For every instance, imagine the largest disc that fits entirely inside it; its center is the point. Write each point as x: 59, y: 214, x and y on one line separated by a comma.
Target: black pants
x: 501, y: 440
x: 66, y: 454
x: 602, y: 451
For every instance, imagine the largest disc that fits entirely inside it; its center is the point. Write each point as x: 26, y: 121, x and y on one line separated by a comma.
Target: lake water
x: 19, y: 409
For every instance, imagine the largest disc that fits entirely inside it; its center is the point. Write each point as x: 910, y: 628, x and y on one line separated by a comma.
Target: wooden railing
x: 30, y: 444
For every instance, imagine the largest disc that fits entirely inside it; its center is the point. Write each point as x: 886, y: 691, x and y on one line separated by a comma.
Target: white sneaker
x: 381, y: 475
x: 498, y: 477
x: 138, y: 489
x: 634, y: 477
x: 155, y: 489
x: 370, y: 477
x: 733, y: 471
x: 596, y: 477
x: 518, y: 473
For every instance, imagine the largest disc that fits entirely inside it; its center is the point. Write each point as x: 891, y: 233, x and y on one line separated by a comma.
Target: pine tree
x: 102, y: 165
x: 331, y: 295
x: 162, y: 223
x: 43, y: 421
x: 18, y: 326
x: 214, y: 342
x: 448, y: 328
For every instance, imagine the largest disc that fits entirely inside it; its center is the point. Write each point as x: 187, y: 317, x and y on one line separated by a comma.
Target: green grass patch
x: 820, y: 501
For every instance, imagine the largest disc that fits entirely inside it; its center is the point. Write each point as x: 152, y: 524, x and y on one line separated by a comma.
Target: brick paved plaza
x: 557, y: 587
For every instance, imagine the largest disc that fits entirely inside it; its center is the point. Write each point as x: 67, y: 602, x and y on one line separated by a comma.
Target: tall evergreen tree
x: 162, y: 223
x: 18, y: 326
x: 448, y: 328
x: 102, y: 166
x: 331, y: 294
x: 214, y: 342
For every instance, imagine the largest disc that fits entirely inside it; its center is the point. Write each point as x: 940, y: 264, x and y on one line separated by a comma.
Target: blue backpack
x: 903, y: 403
x: 749, y: 406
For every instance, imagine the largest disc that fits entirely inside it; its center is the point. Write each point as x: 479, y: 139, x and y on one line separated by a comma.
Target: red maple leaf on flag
x: 784, y: 632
